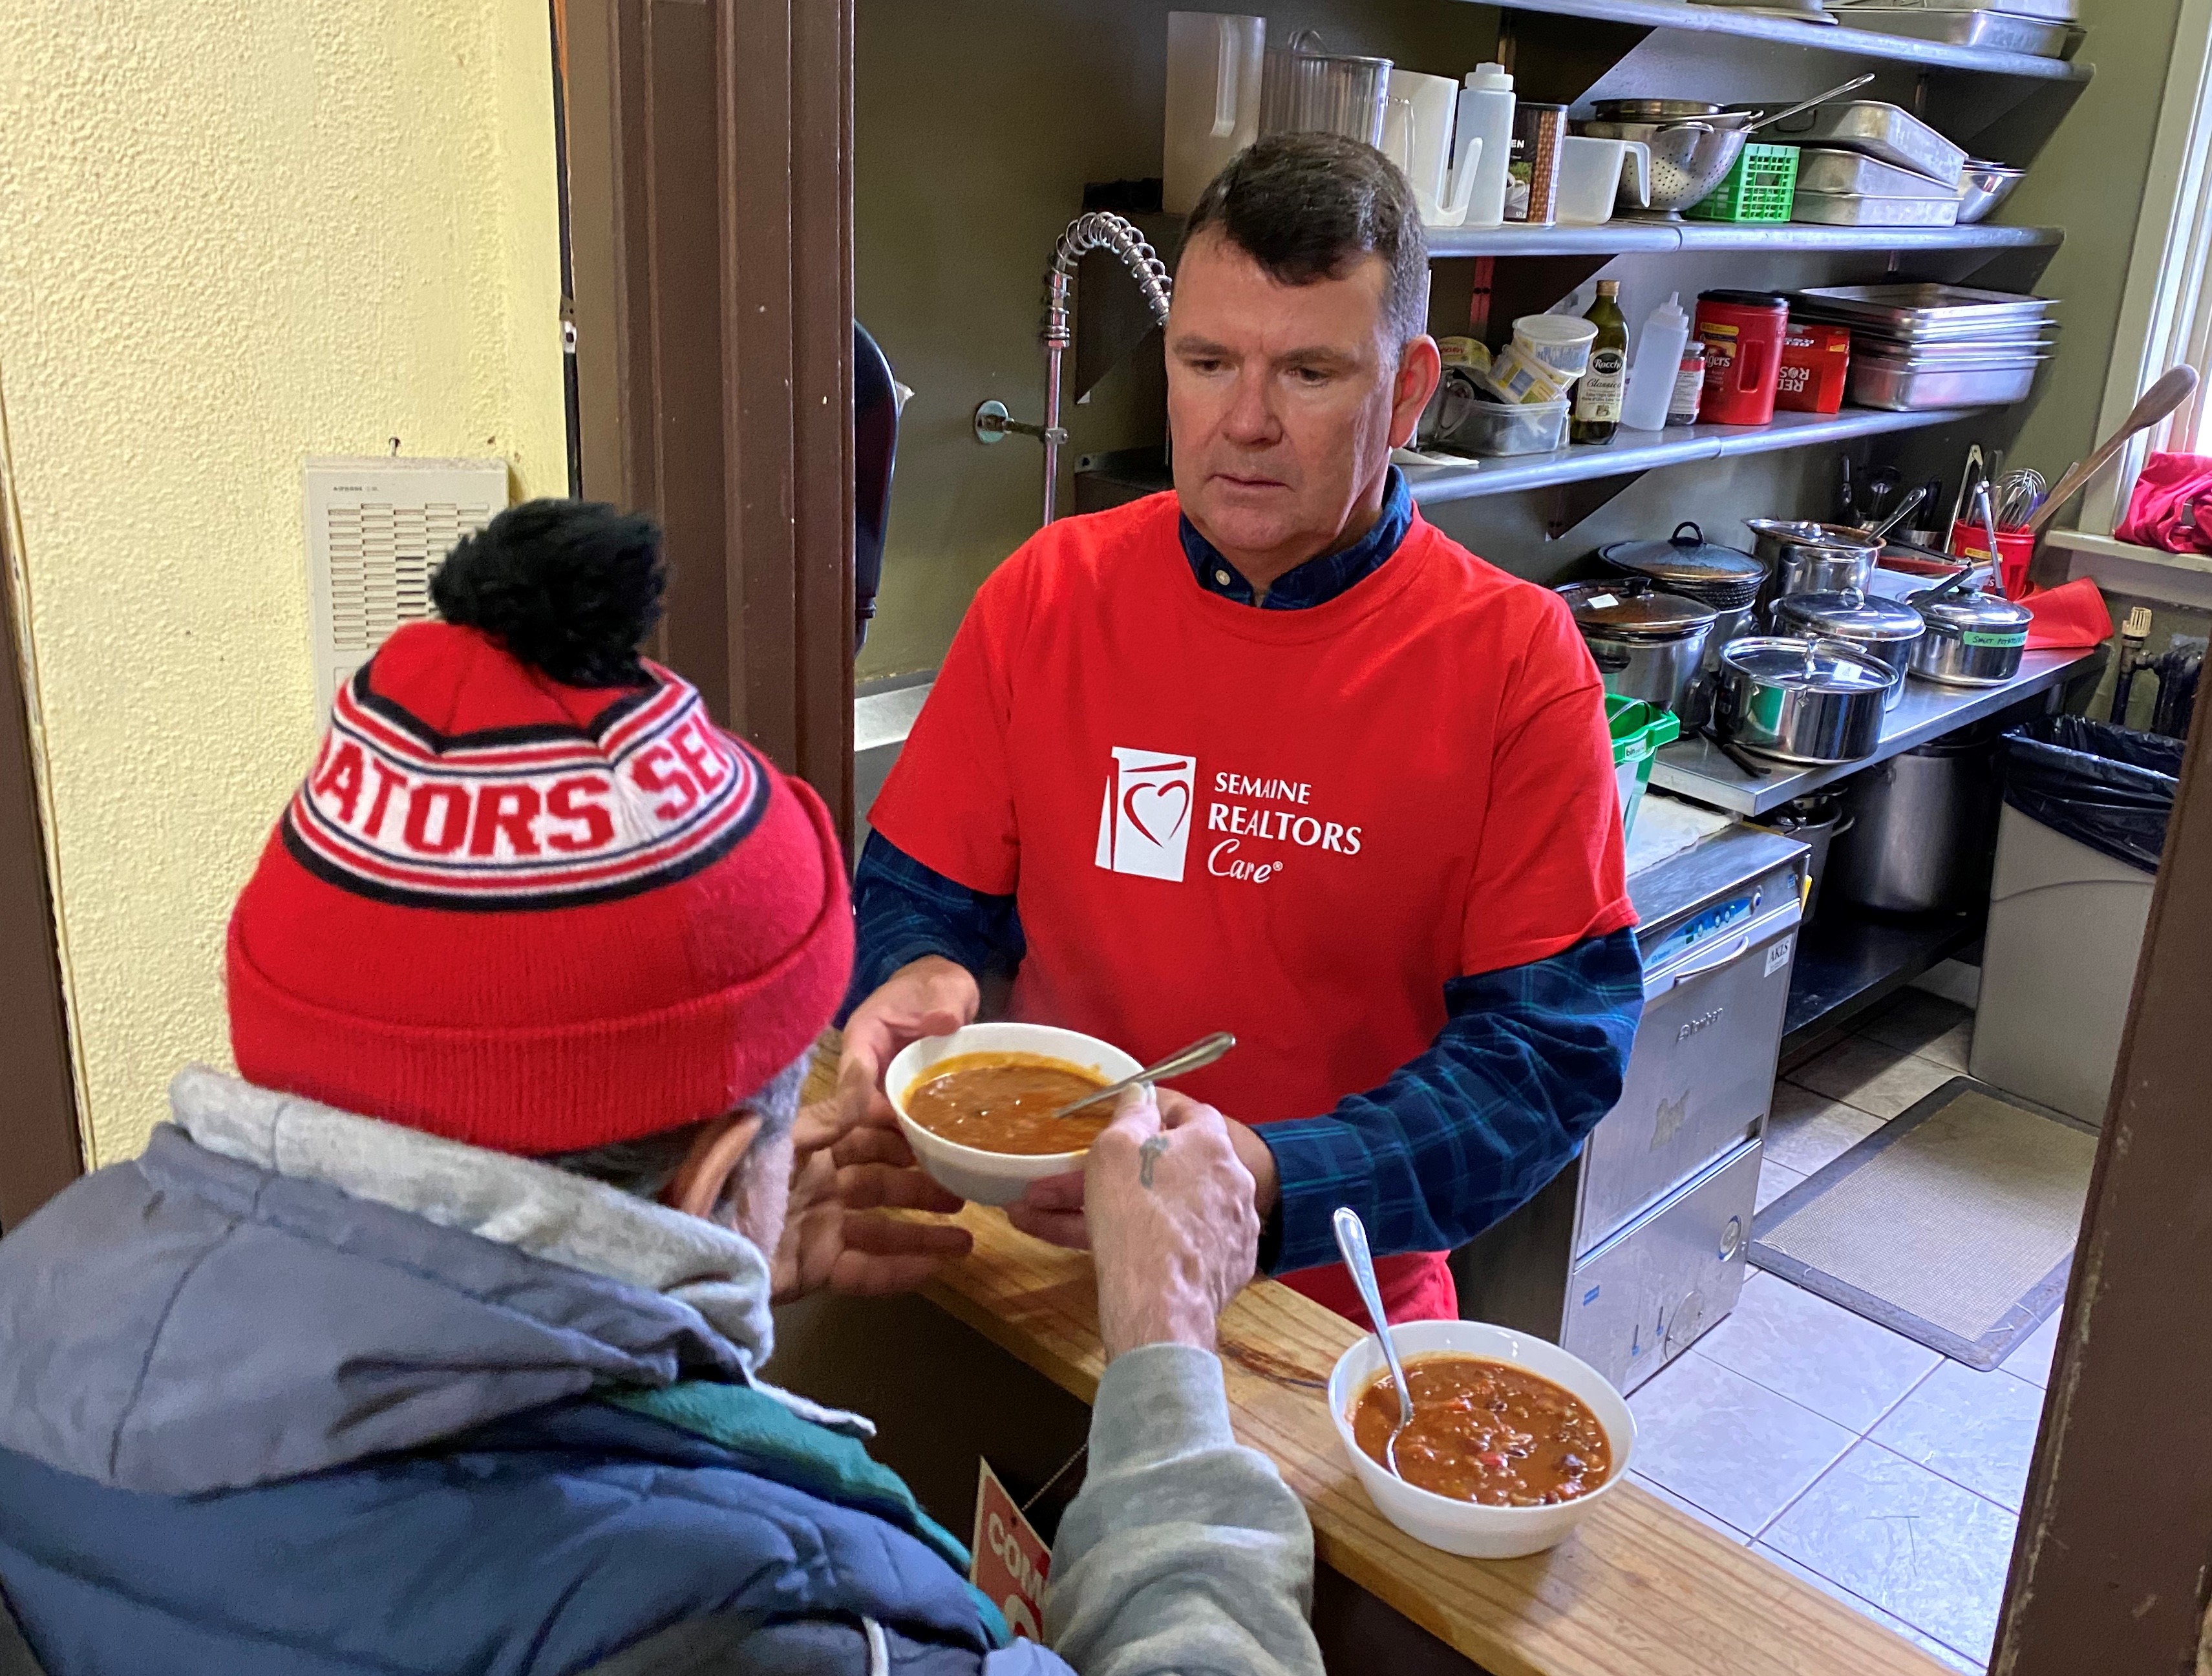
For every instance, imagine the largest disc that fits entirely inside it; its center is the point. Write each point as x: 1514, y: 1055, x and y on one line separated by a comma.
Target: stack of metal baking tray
x: 1843, y: 188
x: 1927, y: 345
x: 2037, y: 28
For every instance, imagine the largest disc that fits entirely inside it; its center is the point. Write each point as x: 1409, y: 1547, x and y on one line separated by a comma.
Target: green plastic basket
x: 1639, y: 730
x: 1758, y: 187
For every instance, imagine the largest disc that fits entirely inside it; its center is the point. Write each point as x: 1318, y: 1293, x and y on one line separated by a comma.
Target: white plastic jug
x: 1651, y: 375
x: 1214, y: 61
x: 1483, y: 140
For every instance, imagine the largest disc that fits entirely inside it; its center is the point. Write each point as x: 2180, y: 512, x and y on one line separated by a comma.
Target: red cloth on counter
x: 1297, y: 826
x: 2071, y: 614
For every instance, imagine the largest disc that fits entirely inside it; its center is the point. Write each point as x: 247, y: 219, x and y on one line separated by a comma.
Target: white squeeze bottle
x: 1485, y: 113
x: 1659, y: 348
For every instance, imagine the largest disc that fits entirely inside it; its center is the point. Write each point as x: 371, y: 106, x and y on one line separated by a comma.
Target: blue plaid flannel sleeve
x: 1529, y: 1059
x: 905, y: 910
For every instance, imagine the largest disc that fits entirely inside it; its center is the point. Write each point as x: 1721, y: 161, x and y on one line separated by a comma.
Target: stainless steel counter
x: 1695, y: 768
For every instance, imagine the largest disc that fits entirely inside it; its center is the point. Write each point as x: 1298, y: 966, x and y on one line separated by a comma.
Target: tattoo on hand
x: 1147, y: 1154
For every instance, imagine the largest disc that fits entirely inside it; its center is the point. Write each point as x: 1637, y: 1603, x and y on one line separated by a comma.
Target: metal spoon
x: 1204, y: 1051
x: 1351, y: 1241
x: 1852, y: 86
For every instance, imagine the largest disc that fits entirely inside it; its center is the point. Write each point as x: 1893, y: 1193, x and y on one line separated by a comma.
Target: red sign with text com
x: 1010, y: 1560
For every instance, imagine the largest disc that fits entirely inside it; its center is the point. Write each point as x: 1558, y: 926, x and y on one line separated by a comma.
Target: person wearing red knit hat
x: 432, y: 1339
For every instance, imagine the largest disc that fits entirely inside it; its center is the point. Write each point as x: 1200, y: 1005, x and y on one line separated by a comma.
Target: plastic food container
x: 1638, y: 729
x: 995, y: 1178
x: 1468, y: 1528
x: 1491, y: 429
x: 1560, y: 341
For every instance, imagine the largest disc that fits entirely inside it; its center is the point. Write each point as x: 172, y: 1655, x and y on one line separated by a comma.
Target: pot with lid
x: 1973, y: 639
x: 1881, y: 627
x: 1727, y: 579
x: 1647, y: 644
x: 1805, y: 557
x: 1802, y: 700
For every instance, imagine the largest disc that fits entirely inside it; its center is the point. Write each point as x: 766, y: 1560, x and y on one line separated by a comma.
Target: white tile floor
x: 1879, y: 1471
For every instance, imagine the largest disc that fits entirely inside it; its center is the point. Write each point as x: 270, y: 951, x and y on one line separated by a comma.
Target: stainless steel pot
x: 1881, y: 627
x: 1973, y: 639
x: 1728, y: 579
x: 1924, y: 828
x: 1802, y: 700
x: 1805, y: 558
x: 1646, y: 644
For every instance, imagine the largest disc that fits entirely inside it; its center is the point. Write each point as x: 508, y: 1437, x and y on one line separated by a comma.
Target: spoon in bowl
x: 1351, y: 1241
x: 1202, y: 1052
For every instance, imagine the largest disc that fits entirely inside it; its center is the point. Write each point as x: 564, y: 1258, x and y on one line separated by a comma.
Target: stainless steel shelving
x: 1628, y: 454
x: 1837, y: 37
x: 1629, y: 233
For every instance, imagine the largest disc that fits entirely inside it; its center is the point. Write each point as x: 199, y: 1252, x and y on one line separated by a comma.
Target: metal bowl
x: 1983, y: 186
x: 1687, y: 160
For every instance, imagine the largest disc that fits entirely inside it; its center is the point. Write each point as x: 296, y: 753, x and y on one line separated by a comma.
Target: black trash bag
x: 2109, y: 787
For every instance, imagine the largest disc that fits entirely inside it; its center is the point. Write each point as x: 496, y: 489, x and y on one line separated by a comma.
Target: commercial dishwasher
x: 1638, y: 1246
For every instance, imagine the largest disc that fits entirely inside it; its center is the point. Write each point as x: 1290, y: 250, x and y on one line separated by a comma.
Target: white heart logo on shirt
x: 1155, y: 799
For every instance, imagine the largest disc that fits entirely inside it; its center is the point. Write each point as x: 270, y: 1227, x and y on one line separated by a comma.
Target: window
x: 2165, y: 312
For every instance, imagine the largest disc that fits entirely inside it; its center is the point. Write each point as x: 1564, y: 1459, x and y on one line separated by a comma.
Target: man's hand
x: 1174, y: 1233
x: 932, y: 996
x: 830, y: 1237
x: 1052, y: 1209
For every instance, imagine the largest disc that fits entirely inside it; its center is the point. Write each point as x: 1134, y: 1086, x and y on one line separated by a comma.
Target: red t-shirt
x: 1297, y: 826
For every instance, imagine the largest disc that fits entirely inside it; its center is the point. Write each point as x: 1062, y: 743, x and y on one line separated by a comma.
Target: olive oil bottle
x: 1597, y: 396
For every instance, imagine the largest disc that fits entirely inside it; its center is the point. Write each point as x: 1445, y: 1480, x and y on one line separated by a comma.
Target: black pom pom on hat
x: 570, y: 587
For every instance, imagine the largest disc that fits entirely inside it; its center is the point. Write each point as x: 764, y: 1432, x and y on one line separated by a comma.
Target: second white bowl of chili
x: 1534, y: 1446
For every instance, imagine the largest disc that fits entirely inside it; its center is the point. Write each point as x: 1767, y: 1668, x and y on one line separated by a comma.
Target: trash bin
x: 2085, y: 805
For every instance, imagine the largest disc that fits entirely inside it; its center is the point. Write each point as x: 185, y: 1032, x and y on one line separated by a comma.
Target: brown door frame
x: 711, y: 193
x: 2112, y: 1564
x: 41, y: 1150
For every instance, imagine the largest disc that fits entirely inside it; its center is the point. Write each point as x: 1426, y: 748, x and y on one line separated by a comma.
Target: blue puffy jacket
x: 251, y: 1424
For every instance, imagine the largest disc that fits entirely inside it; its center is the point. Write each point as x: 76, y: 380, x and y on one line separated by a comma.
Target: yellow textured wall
x: 234, y: 234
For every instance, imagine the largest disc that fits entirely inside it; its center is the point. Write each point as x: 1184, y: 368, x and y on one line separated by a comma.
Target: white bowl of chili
x: 1456, y: 1442
x: 985, y: 1175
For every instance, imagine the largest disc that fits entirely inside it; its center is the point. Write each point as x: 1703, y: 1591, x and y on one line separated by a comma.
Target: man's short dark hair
x: 1307, y: 207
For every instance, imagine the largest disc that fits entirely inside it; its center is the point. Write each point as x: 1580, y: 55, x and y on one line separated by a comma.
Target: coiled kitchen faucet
x: 1095, y: 229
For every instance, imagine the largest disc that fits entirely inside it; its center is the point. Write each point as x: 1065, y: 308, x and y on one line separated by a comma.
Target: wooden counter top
x: 1640, y: 1589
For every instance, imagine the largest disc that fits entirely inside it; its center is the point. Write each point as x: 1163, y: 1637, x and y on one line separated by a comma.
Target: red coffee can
x: 1742, y: 332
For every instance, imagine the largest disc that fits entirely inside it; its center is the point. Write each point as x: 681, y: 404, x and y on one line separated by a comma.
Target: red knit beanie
x: 530, y: 896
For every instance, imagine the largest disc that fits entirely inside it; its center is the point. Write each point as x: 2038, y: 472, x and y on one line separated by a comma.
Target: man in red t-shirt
x: 1272, y: 755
